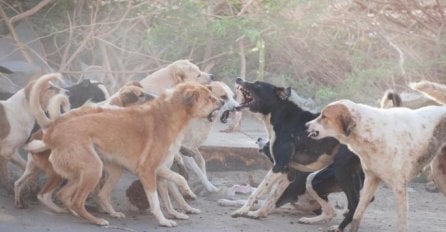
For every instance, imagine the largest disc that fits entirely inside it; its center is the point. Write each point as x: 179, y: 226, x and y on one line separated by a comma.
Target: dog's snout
x: 211, y: 76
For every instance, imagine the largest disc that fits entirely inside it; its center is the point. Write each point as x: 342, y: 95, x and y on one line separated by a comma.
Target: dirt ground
x: 426, y: 213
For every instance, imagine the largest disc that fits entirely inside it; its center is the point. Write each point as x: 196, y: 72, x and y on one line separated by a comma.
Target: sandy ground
x: 426, y: 214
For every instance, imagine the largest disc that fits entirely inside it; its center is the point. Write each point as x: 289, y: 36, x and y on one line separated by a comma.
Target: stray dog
x: 137, y: 138
x: 194, y: 135
x: 393, y: 144
x: 16, y: 123
x: 175, y: 73
x: 292, y: 150
x: 130, y: 94
x: 436, y: 92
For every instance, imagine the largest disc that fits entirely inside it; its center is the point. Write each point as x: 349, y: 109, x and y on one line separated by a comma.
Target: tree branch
x: 29, y: 12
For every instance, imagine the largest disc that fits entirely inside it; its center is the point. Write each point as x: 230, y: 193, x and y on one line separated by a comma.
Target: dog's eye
x: 199, y: 75
x: 323, y: 116
x: 224, y: 97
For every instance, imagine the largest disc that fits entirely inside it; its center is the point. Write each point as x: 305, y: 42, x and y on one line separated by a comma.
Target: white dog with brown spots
x: 393, y: 144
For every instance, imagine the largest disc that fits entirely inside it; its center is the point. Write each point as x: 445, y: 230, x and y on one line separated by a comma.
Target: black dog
x: 292, y: 150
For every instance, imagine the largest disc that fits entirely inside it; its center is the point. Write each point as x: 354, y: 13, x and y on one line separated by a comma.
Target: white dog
x: 393, y: 144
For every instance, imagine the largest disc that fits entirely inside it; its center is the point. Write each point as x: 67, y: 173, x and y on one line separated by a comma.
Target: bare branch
x: 29, y: 12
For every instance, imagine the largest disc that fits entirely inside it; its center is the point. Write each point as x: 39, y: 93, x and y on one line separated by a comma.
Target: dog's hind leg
x: 371, y: 183
x: 192, y: 165
x: 45, y: 195
x: 328, y: 212
x: 4, y: 175
x: 265, y: 186
x: 148, y: 179
x: 18, y: 160
x: 438, y: 167
x: 89, y: 177
x: 31, y: 170
x: 165, y: 199
x: 279, y: 187
x: 400, y: 191
x: 113, y: 174
x: 179, y: 199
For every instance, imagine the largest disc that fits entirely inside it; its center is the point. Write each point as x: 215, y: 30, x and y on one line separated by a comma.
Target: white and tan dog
x: 16, y: 123
x: 137, y: 138
x: 393, y: 144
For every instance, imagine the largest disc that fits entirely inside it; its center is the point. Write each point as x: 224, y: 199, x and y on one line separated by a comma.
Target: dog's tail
x: 36, y: 146
x: 390, y: 96
x: 34, y: 98
x: 432, y: 90
x: 57, y: 104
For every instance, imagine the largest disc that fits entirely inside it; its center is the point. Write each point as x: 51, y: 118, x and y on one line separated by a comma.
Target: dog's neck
x: 18, y: 108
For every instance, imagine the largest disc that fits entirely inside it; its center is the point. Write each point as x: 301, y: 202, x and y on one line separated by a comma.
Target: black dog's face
x: 84, y: 91
x: 260, y: 97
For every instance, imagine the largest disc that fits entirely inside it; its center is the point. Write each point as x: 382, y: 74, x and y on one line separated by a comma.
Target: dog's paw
x: 211, y: 188
x: 255, y: 214
x: 192, y: 210
x: 334, y: 228
x: 318, y: 219
x: 102, y: 222
x: 19, y: 204
x: 238, y: 213
x: 117, y: 215
x: 178, y: 215
x: 168, y: 223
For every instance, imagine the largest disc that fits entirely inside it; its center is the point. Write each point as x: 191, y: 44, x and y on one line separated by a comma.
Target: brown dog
x: 137, y: 138
x: 130, y: 94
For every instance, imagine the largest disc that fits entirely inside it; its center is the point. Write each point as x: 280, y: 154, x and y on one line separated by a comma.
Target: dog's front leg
x: 266, y: 184
x: 165, y: 199
x: 179, y: 199
x: 148, y: 180
x: 170, y: 175
x: 270, y: 203
x: 368, y: 191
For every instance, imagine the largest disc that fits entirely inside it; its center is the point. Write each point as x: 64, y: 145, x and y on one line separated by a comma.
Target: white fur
x: 390, y: 144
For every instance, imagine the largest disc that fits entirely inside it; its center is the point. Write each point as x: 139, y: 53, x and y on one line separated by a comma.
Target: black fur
x: 84, y: 91
x: 292, y: 144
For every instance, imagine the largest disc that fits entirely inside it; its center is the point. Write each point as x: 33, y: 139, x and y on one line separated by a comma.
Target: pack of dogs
x: 82, y: 139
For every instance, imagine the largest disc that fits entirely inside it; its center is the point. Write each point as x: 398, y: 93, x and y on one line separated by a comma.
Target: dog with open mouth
x: 393, y: 144
x: 291, y: 150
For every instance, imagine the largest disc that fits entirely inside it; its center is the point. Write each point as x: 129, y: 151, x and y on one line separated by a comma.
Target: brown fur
x: 342, y: 121
x: 137, y: 138
x: 129, y: 94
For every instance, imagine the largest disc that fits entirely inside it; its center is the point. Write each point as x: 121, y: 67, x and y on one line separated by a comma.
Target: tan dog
x: 130, y: 94
x: 16, y: 123
x: 175, y: 73
x: 137, y: 138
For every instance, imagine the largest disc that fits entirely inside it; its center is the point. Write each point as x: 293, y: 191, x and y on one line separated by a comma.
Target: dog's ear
x: 85, y: 83
x: 189, y: 97
x: 283, y: 93
x: 347, y: 122
x: 128, y: 97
